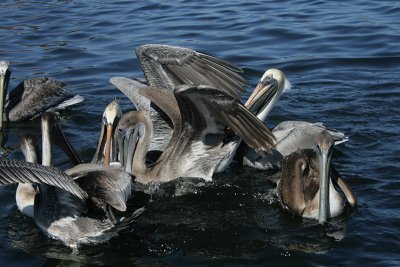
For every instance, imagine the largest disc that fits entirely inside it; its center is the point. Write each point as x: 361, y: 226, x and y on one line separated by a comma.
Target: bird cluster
x: 188, y: 122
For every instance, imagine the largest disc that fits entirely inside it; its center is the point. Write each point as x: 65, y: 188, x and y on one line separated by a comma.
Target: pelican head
x: 111, y: 116
x: 137, y: 129
x: 267, y: 92
x: 112, y: 113
x: 128, y: 135
x: 4, y: 75
x: 324, y: 148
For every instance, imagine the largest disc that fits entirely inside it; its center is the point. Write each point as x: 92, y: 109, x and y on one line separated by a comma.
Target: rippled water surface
x: 343, y: 60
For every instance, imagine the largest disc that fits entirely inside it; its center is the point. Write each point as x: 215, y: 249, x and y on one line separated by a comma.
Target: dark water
x: 343, y: 60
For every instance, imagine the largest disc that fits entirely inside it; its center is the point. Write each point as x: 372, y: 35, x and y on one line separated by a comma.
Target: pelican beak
x: 324, y: 154
x: 348, y: 193
x: 129, y: 140
x: 100, y: 146
x: 4, y: 74
x: 107, y: 152
x: 122, y: 145
x: 262, y: 95
x: 59, y: 137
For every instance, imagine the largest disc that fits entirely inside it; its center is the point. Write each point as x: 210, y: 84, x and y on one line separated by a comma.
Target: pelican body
x: 167, y: 67
x: 200, y: 140
x: 310, y: 187
x: 51, y: 132
x: 75, y: 206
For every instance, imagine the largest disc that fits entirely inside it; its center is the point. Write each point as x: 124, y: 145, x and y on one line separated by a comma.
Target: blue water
x: 343, y: 60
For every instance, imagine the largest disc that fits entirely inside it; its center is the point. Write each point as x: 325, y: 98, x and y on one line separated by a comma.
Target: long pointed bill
x: 122, y: 147
x: 115, y: 147
x: 62, y: 142
x: 3, y: 87
x: 324, y: 159
x: 100, y: 146
x: 262, y: 96
x: 107, y: 150
x: 131, y: 147
x: 351, y: 198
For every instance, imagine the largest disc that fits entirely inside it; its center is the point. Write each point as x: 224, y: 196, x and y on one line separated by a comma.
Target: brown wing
x: 169, y: 66
x: 210, y: 111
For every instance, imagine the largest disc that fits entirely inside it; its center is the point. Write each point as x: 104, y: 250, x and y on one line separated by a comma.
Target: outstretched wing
x: 15, y: 171
x: 209, y: 111
x: 169, y: 66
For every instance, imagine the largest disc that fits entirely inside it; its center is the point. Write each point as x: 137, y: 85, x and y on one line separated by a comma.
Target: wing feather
x: 169, y: 66
x: 15, y: 171
x: 208, y: 110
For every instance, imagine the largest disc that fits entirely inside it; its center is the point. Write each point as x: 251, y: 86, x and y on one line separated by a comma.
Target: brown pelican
x: 169, y: 66
x: 51, y: 132
x: 201, y: 139
x: 290, y: 135
x: 107, y: 146
x: 31, y: 97
x: 73, y: 206
x: 308, y: 186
